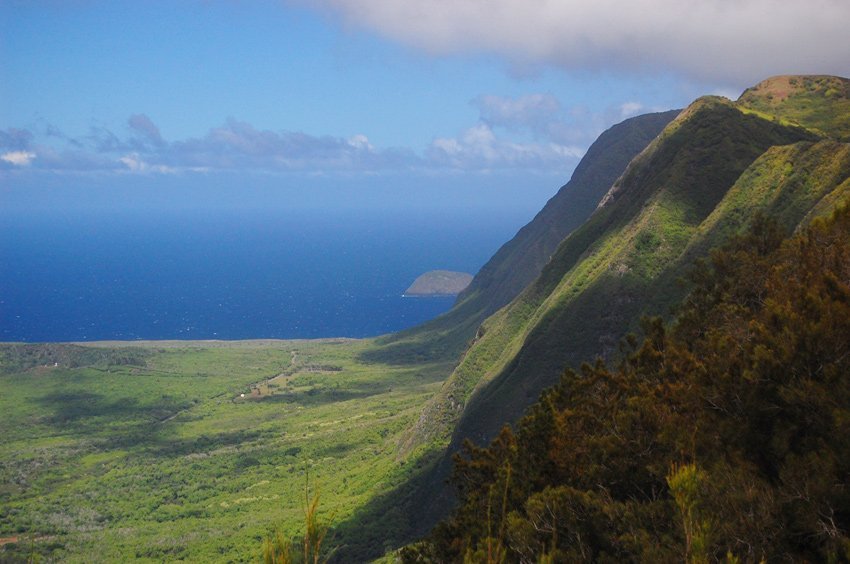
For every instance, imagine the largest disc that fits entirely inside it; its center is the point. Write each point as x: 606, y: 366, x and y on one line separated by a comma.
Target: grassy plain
x: 117, y: 451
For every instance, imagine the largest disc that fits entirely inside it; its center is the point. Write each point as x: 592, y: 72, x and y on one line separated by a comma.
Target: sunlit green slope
x: 598, y: 282
x: 722, y: 437
x: 698, y: 182
x: 518, y: 262
x: 149, y: 452
x: 820, y: 103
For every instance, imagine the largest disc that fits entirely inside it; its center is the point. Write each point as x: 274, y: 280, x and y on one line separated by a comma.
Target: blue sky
x: 369, y: 94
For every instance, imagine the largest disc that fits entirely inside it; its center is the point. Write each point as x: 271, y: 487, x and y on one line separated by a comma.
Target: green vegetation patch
x: 723, y: 438
x: 818, y: 103
x: 624, y: 258
x: 193, y: 451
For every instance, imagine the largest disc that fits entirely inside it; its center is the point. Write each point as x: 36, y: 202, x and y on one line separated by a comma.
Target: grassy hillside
x: 723, y: 438
x: 597, y: 284
x: 518, y: 262
x: 698, y: 184
x: 149, y: 452
x: 624, y: 262
x: 521, y: 259
x: 819, y: 103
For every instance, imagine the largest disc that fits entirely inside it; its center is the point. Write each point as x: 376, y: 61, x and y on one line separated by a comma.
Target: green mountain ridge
x: 593, y: 289
x: 699, y: 182
x: 819, y: 103
x: 722, y: 437
x: 521, y: 259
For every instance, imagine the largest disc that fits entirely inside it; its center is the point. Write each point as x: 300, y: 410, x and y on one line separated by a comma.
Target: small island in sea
x: 435, y: 283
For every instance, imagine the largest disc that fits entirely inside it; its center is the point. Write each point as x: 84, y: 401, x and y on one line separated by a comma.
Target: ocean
x: 221, y: 274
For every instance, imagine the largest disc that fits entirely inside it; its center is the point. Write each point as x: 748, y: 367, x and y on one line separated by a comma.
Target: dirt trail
x: 26, y: 539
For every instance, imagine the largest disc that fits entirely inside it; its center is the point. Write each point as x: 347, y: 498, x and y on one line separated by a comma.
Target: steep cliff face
x: 564, y: 291
x: 603, y: 275
x: 699, y: 181
x: 518, y: 262
x: 720, y: 418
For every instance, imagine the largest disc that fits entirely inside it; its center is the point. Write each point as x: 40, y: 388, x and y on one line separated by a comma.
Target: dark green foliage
x: 727, y: 435
x: 18, y: 357
x: 625, y: 257
x: 700, y: 182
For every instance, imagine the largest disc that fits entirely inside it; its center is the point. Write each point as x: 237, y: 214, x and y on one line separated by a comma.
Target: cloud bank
x: 234, y: 146
x: 721, y: 41
x: 479, y: 148
x: 18, y: 158
x: 241, y: 147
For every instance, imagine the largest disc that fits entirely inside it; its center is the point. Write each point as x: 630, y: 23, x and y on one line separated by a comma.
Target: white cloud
x: 559, y: 139
x: 239, y: 145
x: 135, y: 163
x: 630, y: 109
x: 234, y: 146
x: 360, y: 141
x: 728, y: 41
x: 479, y: 148
x: 531, y: 111
x: 548, y: 121
x: 132, y: 162
x: 18, y: 158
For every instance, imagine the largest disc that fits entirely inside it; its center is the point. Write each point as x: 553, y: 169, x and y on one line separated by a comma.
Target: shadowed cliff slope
x: 699, y: 182
x: 518, y: 262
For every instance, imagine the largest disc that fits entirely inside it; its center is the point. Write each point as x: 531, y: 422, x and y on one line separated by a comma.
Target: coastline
x: 200, y: 343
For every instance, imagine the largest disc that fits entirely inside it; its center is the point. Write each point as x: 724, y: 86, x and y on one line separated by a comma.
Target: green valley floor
x: 194, y: 450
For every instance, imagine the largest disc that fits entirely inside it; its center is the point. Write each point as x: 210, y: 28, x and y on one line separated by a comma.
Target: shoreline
x: 429, y: 295
x: 208, y: 343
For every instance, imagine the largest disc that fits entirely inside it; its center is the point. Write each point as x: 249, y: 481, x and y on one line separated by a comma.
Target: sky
x: 110, y: 103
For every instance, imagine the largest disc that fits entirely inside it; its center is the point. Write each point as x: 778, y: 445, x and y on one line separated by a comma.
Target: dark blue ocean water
x: 230, y: 275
